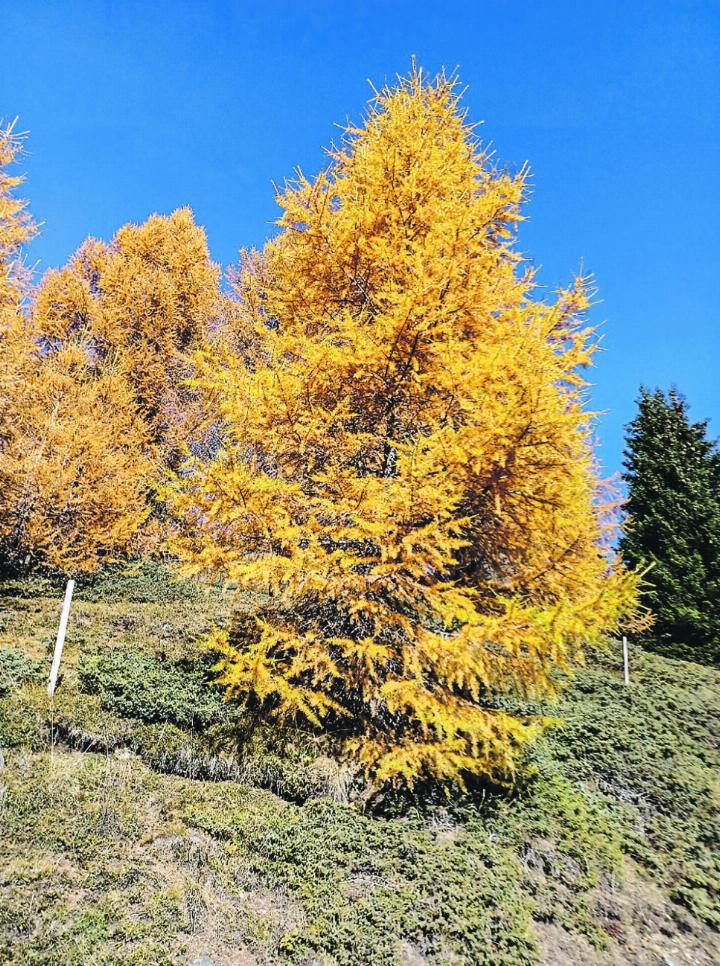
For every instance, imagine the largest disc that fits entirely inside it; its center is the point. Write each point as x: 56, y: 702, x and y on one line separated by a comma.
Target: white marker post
x: 60, y: 637
x: 626, y: 662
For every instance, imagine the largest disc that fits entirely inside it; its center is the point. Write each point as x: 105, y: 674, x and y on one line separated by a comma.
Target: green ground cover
x: 144, y: 821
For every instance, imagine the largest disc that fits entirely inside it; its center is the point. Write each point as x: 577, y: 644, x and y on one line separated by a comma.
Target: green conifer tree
x: 672, y: 471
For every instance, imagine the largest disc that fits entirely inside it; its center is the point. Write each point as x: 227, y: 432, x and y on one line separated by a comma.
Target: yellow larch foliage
x: 74, y: 476
x: 148, y: 298
x: 407, y: 468
x: 16, y: 225
x: 16, y: 228
x: 73, y: 473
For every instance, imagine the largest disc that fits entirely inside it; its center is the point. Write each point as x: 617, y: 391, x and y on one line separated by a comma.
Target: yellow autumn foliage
x: 407, y: 471
x: 16, y: 228
x: 73, y: 469
x: 74, y: 476
x: 96, y: 399
x: 16, y: 224
x: 147, y: 298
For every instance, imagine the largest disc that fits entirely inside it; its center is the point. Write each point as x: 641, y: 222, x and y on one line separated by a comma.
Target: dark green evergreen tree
x: 672, y: 471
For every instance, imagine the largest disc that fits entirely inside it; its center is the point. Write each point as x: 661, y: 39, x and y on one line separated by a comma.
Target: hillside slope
x: 137, y: 828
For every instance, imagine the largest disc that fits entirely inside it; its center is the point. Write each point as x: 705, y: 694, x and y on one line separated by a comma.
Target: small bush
x: 140, y: 686
x: 15, y: 667
x: 24, y: 720
x: 141, y: 583
x: 652, y: 749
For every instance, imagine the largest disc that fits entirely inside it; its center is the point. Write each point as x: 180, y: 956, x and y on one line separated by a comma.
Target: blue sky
x: 141, y: 107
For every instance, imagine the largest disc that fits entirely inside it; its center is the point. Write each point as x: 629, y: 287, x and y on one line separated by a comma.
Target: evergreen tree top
x: 672, y: 470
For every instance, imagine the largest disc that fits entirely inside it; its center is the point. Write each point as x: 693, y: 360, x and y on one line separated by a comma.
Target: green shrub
x: 141, y: 583
x: 652, y: 750
x: 15, y: 667
x: 24, y: 719
x: 374, y: 891
x: 137, y: 685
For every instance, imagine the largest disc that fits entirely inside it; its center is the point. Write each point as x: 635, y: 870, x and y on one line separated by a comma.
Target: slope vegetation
x: 143, y: 820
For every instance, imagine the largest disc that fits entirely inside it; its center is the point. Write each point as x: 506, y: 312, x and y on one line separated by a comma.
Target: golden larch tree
x: 16, y: 229
x: 73, y: 470
x: 16, y: 224
x: 74, y: 476
x: 407, y: 471
x: 148, y: 298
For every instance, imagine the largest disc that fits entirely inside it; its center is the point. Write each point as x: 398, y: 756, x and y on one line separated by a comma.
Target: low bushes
x: 15, y: 667
x: 137, y: 685
x: 142, y: 583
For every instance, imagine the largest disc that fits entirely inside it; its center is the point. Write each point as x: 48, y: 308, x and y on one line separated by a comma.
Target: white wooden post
x: 60, y: 637
x: 626, y: 662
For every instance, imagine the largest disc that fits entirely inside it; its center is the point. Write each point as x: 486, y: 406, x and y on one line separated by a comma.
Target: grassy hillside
x: 145, y: 821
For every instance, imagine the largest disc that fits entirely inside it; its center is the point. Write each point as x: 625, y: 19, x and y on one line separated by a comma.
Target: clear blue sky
x: 141, y: 107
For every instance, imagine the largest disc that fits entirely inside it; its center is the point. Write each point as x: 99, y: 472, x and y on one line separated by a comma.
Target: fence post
x: 626, y: 662
x: 60, y: 637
